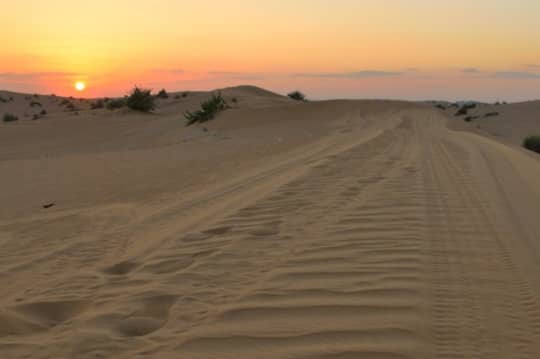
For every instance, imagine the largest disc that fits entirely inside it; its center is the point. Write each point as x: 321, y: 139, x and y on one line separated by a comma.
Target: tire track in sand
x: 338, y: 269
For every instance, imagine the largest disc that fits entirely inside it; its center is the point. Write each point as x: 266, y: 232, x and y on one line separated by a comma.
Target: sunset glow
x: 345, y: 48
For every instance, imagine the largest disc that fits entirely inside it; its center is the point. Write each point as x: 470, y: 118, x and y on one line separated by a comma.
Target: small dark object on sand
x: 49, y: 205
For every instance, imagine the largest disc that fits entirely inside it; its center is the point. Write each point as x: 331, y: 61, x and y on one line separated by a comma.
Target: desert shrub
x: 491, y: 114
x: 162, y: 94
x: 465, y: 109
x: 185, y: 94
x: 35, y: 117
x: 440, y: 106
x: 532, y: 143
x: 100, y: 103
x: 141, y: 100
x: 209, y: 109
x: 462, y: 111
x: 177, y: 97
x: 3, y: 99
x: 71, y: 107
x: 64, y: 102
x: 470, y: 118
x: 43, y: 113
x: 116, y: 103
x: 297, y: 95
x: 8, y: 117
x: 35, y: 103
x: 234, y: 100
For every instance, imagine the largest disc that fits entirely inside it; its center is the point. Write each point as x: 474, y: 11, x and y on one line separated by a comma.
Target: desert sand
x: 509, y: 123
x: 330, y: 229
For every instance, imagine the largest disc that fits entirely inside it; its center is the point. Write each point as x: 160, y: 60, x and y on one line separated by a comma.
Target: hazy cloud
x: 532, y: 66
x: 225, y: 73
x: 516, y: 75
x: 238, y: 75
x: 352, y: 75
x: 170, y: 71
x: 24, y: 76
x: 471, y: 70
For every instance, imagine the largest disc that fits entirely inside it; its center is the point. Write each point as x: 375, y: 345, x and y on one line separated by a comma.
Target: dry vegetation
x: 532, y: 143
x: 209, y: 109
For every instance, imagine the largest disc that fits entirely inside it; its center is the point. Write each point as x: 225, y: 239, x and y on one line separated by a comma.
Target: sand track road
x: 402, y: 239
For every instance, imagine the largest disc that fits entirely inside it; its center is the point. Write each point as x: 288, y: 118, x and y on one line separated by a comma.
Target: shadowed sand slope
x: 340, y: 229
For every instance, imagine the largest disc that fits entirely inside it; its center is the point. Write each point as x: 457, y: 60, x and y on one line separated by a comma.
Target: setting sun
x: 80, y: 86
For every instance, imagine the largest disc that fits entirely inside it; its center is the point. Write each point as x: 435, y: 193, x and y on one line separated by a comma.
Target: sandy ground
x: 337, y: 229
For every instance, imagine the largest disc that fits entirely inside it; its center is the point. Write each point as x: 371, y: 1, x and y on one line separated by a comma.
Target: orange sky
x: 414, y: 49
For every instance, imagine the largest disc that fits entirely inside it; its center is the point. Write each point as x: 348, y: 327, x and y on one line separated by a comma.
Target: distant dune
x: 508, y: 123
x: 281, y: 229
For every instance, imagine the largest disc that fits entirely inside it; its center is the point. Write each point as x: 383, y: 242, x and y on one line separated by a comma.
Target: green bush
x: 71, y: 107
x: 141, y: 100
x: 8, y: 117
x: 113, y: 104
x: 465, y: 109
x: 462, y: 112
x: 100, y: 103
x: 209, y: 110
x: 162, y: 94
x: 297, y: 95
x: 532, y: 143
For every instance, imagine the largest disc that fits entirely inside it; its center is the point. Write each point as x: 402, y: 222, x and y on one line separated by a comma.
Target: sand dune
x: 509, y: 123
x: 335, y: 229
